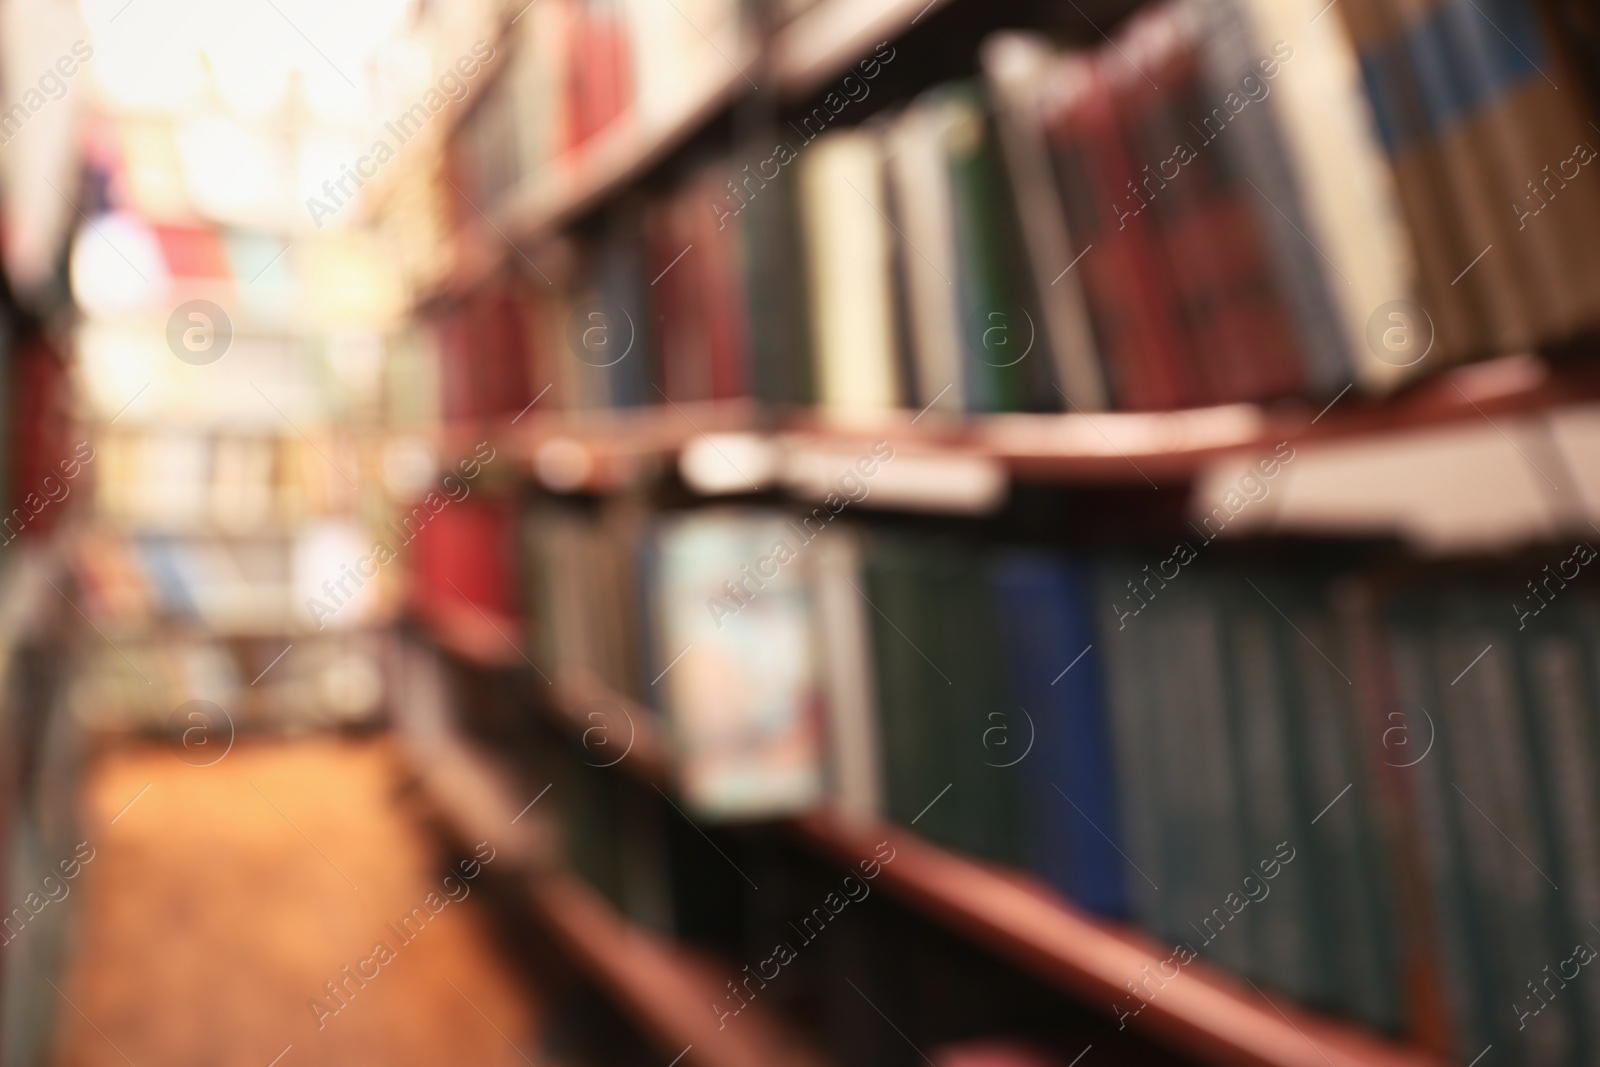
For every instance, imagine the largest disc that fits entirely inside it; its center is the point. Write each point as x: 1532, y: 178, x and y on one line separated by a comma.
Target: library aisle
x: 236, y: 891
x: 800, y: 533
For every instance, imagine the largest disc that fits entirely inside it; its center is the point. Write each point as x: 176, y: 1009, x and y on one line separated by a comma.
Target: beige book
x: 846, y: 235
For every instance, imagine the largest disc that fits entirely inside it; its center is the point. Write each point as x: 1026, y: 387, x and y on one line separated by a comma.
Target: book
x: 1242, y: 345
x: 1055, y: 677
x: 847, y: 242
x: 844, y: 637
x: 1128, y: 284
x: 1016, y: 67
x: 920, y: 178
x: 941, y: 691
x: 1351, y: 212
x: 738, y: 675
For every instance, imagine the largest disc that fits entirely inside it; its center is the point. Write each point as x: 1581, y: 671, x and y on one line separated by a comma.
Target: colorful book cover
x: 737, y: 667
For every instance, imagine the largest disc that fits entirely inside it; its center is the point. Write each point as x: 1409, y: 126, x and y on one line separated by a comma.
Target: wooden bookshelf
x: 663, y: 987
x: 1201, y: 1013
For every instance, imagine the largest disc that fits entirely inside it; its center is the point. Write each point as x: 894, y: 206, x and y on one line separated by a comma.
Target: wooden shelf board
x: 647, y: 757
x: 1201, y: 1013
x: 828, y: 38
x: 484, y: 638
x: 1106, y: 448
x: 599, y: 451
x: 668, y: 989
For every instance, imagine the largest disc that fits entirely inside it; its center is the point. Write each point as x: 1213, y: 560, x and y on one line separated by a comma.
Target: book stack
x: 1223, y: 244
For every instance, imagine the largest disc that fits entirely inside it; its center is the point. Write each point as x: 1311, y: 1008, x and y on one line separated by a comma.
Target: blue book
x: 1055, y: 677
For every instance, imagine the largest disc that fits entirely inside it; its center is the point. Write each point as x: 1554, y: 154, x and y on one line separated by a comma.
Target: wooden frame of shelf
x: 600, y: 451
x: 823, y: 41
x: 1203, y: 1012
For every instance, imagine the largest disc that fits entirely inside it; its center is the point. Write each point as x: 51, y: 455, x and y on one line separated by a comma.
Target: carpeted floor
x: 221, y: 899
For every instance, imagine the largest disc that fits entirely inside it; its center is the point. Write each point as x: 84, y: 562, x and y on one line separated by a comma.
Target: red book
x: 503, y: 353
x: 1119, y: 251
x: 461, y: 557
x: 1241, y: 338
x: 41, y: 437
x: 452, y: 329
x: 722, y: 268
x: 679, y: 297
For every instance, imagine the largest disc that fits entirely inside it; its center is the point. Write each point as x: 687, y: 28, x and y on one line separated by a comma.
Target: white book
x: 920, y: 179
x: 845, y: 641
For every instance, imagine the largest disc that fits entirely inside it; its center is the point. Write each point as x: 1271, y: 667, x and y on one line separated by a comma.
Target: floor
x: 221, y: 899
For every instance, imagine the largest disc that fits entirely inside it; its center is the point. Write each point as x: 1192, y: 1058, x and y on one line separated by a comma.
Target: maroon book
x: 1242, y: 340
x: 1119, y: 251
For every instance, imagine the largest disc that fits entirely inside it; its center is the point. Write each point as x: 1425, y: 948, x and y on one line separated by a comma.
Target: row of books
x: 1285, y: 769
x: 325, y: 575
x: 231, y: 685
x: 239, y: 484
x: 1225, y: 201
x: 580, y: 68
x: 1487, y: 151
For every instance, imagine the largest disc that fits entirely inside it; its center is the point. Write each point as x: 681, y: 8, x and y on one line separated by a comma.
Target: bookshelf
x: 592, y: 450
x: 579, y: 181
x: 1206, y: 1014
x: 39, y: 801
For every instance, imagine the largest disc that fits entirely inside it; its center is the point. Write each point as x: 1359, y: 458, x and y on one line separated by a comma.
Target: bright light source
x: 117, y: 267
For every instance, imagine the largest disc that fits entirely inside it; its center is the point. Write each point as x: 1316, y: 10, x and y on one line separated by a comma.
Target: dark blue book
x: 1056, y: 682
x: 623, y: 301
